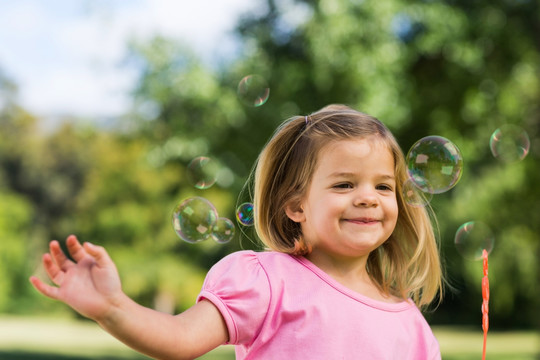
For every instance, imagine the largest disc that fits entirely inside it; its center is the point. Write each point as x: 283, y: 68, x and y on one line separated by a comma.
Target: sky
x: 66, y: 56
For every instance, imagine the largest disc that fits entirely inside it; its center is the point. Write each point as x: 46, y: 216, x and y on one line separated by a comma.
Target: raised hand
x: 90, y: 284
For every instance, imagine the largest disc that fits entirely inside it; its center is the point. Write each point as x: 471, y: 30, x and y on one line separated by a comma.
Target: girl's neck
x: 351, y: 269
x: 351, y: 273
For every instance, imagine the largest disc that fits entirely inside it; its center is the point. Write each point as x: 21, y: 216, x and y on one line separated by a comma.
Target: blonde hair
x: 406, y: 265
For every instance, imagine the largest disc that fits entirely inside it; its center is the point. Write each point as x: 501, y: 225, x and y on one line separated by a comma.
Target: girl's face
x: 350, y: 207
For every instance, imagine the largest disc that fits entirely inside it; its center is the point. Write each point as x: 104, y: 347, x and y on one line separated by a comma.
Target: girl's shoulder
x: 262, y: 267
x: 259, y: 258
x: 246, y: 267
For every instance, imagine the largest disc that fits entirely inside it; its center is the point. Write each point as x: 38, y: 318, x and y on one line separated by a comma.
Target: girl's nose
x: 365, y: 198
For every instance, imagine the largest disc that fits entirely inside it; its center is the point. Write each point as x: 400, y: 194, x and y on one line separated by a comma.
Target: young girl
x: 348, y: 265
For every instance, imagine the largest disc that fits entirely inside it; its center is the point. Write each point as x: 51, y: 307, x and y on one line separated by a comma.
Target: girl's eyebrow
x: 341, y: 175
x: 345, y: 174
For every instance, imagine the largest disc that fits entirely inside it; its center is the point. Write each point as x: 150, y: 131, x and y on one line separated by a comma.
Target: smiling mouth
x: 364, y: 221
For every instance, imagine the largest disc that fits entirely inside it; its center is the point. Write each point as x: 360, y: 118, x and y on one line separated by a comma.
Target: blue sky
x: 65, y: 55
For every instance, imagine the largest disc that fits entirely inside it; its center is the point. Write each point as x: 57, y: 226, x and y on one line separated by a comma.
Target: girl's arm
x: 90, y: 285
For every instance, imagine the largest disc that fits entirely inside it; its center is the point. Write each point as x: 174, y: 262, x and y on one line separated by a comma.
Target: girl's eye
x: 384, y: 187
x: 343, y: 186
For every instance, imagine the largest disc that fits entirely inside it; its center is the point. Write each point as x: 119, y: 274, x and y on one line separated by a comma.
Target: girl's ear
x: 294, y: 210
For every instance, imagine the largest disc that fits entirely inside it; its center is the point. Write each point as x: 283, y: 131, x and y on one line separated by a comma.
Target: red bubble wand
x: 485, y: 302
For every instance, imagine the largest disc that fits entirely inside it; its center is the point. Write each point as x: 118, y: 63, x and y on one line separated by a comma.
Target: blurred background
x: 104, y: 104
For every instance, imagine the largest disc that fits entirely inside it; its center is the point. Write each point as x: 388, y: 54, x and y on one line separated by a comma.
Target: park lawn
x: 43, y: 338
x: 38, y: 338
x: 466, y: 343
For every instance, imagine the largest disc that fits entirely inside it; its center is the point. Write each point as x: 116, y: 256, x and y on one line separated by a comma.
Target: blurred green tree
x: 457, y: 69
x: 101, y: 185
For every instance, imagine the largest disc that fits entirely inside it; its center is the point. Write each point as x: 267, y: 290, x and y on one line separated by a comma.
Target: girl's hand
x: 90, y: 284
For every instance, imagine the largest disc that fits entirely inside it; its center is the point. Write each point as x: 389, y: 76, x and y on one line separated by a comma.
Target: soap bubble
x: 509, y: 143
x: 202, y: 172
x: 472, y: 238
x: 434, y: 164
x: 244, y: 214
x: 194, y: 219
x: 223, y: 230
x: 253, y: 90
x: 414, y: 196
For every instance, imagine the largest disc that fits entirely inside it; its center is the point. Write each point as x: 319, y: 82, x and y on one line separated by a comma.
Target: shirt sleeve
x: 435, y: 350
x: 239, y: 287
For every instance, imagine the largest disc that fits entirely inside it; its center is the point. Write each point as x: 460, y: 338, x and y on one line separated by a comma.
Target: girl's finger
x: 47, y: 290
x: 99, y: 254
x: 54, y: 272
x: 75, y: 249
x: 58, y: 255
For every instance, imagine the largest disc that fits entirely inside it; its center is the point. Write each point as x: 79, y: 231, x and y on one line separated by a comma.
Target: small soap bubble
x: 244, y: 214
x: 194, y: 219
x: 472, y: 238
x: 434, y: 164
x: 223, y: 230
x: 202, y: 172
x: 414, y: 196
x: 253, y: 90
x: 509, y: 143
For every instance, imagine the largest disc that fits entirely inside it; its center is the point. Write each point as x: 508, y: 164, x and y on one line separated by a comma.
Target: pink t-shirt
x: 277, y: 306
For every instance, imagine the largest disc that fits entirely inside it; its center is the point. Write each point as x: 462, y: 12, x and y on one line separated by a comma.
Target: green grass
x: 66, y: 339
x: 466, y: 343
x: 23, y: 338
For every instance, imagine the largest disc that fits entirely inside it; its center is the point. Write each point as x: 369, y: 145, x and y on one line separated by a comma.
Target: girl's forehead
x: 354, y: 152
x: 349, y: 152
x: 364, y: 142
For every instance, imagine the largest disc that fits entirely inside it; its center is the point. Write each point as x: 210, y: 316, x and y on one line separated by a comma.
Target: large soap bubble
x: 194, y: 219
x: 434, y: 164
